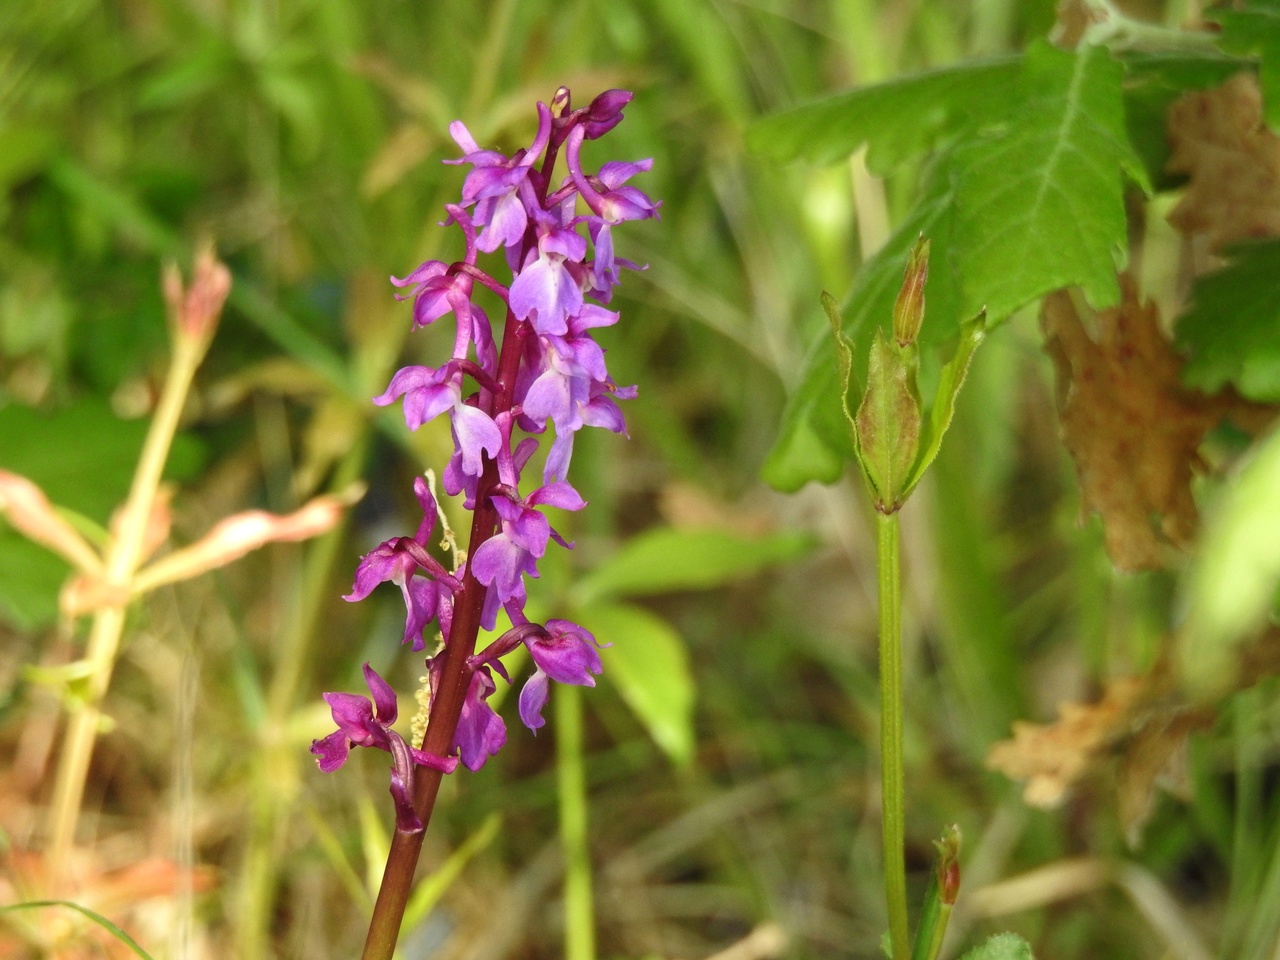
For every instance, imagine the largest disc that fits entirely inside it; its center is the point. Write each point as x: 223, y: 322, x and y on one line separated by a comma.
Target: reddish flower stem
x: 455, y: 677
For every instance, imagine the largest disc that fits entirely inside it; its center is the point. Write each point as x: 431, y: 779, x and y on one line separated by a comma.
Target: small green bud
x: 887, y: 425
x: 948, y: 865
x: 908, y: 311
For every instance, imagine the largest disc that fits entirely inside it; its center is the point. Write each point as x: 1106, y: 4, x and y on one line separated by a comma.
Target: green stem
x: 579, y: 911
x: 891, y: 783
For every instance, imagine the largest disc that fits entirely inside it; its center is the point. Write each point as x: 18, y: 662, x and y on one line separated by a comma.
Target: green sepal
x: 887, y: 425
x: 844, y: 360
x: 950, y: 381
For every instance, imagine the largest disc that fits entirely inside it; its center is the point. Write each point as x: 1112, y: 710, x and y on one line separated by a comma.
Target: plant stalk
x: 455, y: 678
x: 123, y: 559
x: 455, y: 675
x: 889, y: 578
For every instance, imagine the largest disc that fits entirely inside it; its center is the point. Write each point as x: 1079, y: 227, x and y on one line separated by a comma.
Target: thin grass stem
x: 571, y: 788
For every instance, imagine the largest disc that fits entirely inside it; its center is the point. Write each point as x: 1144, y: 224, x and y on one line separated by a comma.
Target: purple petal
x: 499, y: 562
x: 427, y: 501
x: 617, y: 172
x: 558, y: 457
x: 545, y: 294
x: 550, y: 397
x: 481, y: 732
x: 558, y: 494
x: 384, y: 562
x: 420, y: 600
x: 533, y: 697
x: 384, y: 698
x: 332, y: 750
x: 474, y: 431
x: 567, y: 654
x: 422, y: 273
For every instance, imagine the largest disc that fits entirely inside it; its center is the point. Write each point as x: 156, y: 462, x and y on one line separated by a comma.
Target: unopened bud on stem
x: 948, y: 865
x: 908, y: 311
x: 194, y: 312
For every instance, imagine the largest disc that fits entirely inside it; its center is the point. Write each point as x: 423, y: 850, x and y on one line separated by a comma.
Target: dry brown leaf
x: 1132, y: 428
x: 1219, y: 140
x: 1138, y: 730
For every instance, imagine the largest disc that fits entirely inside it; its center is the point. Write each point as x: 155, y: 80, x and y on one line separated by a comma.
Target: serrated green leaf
x: 648, y: 664
x: 1003, y: 946
x: 1254, y: 30
x: 668, y: 558
x: 814, y: 437
x: 1231, y: 587
x: 1040, y: 203
x: 1231, y: 331
x: 897, y: 120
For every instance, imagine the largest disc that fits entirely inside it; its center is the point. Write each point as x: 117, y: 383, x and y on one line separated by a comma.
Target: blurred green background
x: 305, y: 138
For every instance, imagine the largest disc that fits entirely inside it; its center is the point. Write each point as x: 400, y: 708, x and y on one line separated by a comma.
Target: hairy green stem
x: 571, y: 787
x: 891, y: 782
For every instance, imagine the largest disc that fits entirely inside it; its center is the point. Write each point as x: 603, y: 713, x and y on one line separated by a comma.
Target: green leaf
x: 1255, y: 31
x: 648, y: 664
x: 814, y: 437
x: 1003, y: 946
x: 813, y: 442
x: 898, y: 119
x: 1231, y: 331
x: 1231, y: 589
x: 1040, y: 202
x: 97, y: 918
x: 668, y: 558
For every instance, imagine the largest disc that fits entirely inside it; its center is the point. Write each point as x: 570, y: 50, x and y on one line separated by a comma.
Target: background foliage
x: 738, y: 789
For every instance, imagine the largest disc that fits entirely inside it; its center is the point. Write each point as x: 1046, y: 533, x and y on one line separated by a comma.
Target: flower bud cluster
x: 546, y: 372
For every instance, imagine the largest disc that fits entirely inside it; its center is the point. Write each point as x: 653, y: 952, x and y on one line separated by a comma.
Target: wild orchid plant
x: 546, y: 371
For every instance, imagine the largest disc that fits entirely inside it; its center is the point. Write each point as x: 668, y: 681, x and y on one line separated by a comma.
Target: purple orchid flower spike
x: 500, y: 390
x: 364, y: 724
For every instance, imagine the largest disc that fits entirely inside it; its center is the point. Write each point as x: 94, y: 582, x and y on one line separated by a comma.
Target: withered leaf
x: 1132, y: 428
x: 1137, y: 729
x: 1219, y: 140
